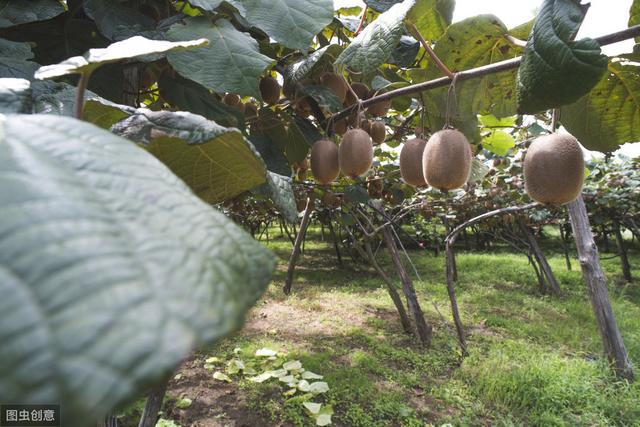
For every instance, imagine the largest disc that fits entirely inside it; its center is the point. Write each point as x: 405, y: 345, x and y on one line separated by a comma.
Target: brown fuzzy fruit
x: 379, y: 109
x: 554, y: 169
x: 231, y: 99
x: 325, y: 164
x: 446, y: 161
x: 250, y: 111
x: 378, y: 131
x: 270, y: 90
x: 340, y: 127
x: 360, y: 89
x: 330, y: 200
x: 365, y: 125
x: 356, y: 153
x: 411, y: 162
x: 336, y: 83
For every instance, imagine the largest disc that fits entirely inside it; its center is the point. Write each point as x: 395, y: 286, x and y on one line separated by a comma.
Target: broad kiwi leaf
x: 15, y: 60
x: 498, y: 142
x: 272, y: 154
x: 15, y: 96
x: 116, y: 21
x: 187, y: 95
x: 103, y: 248
x: 324, y: 96
x: 217, y: 163
x: 634, y: 15
x: 281, y: 192
x: 404, y: 55
x: 297, y: 71
x: 134, y: 47
x: 231, y: 63
x: 16, y: 12
x: 103, y: 113
x: 373, y: 46
x: 290, y: 22
x: 556, y: 70
x: 609, y: 115
x: 432, y: 17
x: 471, y: 43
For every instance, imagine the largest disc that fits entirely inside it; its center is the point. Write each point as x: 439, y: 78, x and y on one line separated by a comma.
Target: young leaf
x: 555, y: 70
x: 107, y: 222
x: 231, y: 63
x: 134, y: 47
x: 312, y: 407
x: 373, y: 46
x: 221, y: 377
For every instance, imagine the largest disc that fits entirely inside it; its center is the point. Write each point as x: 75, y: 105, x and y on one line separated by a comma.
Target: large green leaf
x: 609, y: 115
x: 290, y: 22
x: 187, y: 95
x: 634, y: 15
x: 103, y: 113
x: 432, y: 17
x: 471, y: 43
x: 116, y: 21
x: 373, y: 46
x: 281, y: 192
x: 555, y: 70
x: 15, y: 12
x: 216, y: 162
x: 208, y: 5
x: 111, y: 269
x: 307, y: 67
x: 272, y: 154
x: 134, y: 47
x: 231, y: 63
x: 15, y: 96
x: 14, y: 60
x: 324, y: 96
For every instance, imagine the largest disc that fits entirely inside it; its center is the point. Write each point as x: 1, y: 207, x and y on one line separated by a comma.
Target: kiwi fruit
x: 378, y: 131
x: 554, y: 169
x: 270, y: 90
x: 250, y: 111
x: 360, y: 89
x: 336, y: 83
x: 325, y: 164
x: 446, y: 160
x: 411, y: 162
x: 356, y: 153
x: 330, y: 200
x: 380, y: 108
x: 340, y: 127
x: 231, y: 99
x: 365, y: 125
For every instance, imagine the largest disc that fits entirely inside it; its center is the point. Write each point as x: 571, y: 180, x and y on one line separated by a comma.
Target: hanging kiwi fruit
x: 336, y: 83
x: 325, y: 164
x: 380, y: 108
x: 340, y: 127
x: 554, y: 169
x: 330, y: 200
x: 446, y: 160
x: 356, y: 153
x: 378, y: 131
x: 231, y: 99
x: 360, y: 89
x: 411, y: 162
x: 270, y: 90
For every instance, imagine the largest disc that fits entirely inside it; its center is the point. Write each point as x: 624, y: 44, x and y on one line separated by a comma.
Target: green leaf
x: 432, y: 17
x: 478, y: 170
x: 307, y: 67
x: 404, y: 55
x: 184, y: 403
x: 15, y: 96
x: 609, y: 115
x: 281, y: 192
x: 356, y: 194
x: 312, y: 407
x: 116, y: 21
x: 373, y: 46
x: 471, y: 43
x: 14, y: 60
x: 498, y: 142
x: 272, y: 154
x: 323, y: 420
x: 56, y: 98
x: 265, y: 352
x: 318, y: 387
x: 135, y: 47
x: 293, y: 365
x: 221, y: 377
x: 634, y: 15
x: 308, y: 375
x: 556, y: 71
x: 208, y: 5
x: 187, y: 95
x: 15, y: 12
x: 324, y: 96
x: 101, y: 253
x: 103, y: 114
x: 217, y: 163
x: 289, y: 22
x: 231, y: 63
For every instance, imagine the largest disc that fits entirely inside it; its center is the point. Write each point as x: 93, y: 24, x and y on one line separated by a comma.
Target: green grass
x: 534, y: 359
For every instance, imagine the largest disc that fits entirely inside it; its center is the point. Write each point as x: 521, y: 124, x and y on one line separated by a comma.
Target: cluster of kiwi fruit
x: 353, y: 157
x: 269, y: 90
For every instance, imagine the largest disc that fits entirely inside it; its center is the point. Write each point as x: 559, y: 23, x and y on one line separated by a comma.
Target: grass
x: 534, y: 359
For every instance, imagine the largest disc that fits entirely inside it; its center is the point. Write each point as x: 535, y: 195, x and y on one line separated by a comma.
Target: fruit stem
x: 430, y: 51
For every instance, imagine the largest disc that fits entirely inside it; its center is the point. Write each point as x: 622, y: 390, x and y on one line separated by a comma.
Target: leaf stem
x: 80, y: 91
x: 445, y: 70
x: 362, y: 19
